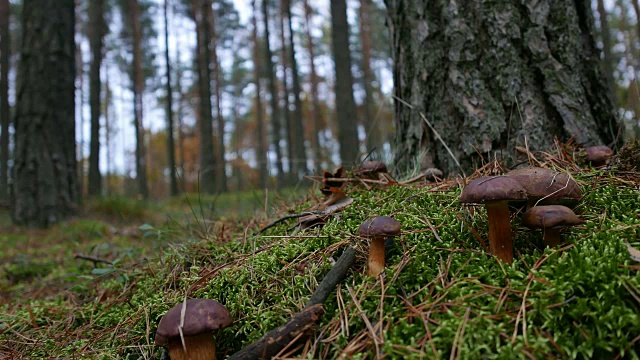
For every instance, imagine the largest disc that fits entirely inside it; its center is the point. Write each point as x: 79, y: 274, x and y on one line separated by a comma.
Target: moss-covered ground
x: 442, y: 295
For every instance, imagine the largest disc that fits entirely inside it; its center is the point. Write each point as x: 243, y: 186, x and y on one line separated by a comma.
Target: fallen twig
x: 333, y: 277
x: 93, y: 259
x: 278, y: 221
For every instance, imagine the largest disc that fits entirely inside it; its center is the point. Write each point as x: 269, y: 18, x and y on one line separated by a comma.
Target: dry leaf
x: 635, y: 253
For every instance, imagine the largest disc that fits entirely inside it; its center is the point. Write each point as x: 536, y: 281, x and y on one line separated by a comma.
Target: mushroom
x: 551, y: 219
x: 547, y: 186
x: 201, y: 317
x: 598, y: 155
x: 374, y: 170
x: 496, y: 193
x: 377, y: 229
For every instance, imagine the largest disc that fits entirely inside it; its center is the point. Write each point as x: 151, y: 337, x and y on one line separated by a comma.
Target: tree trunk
x: 138, y: 89
x: 97, y: 28
x: 171, y: 149
x: 46, y: 183
x: 606, y: 48
x: 275, y: 108
x: 288, y: 123
x: 345, y: 104
x: 636, y: 8
x: 80, y: 78
x: 261, y: 154
x: 220, y: 161
x: 5, y: 54
x: 179, y: 114
x: 300, y: 153
x: 489, y: 76
x: 372, y: 129
x: 107, y: 129
x: 317, y: 110
x: 207, y: 159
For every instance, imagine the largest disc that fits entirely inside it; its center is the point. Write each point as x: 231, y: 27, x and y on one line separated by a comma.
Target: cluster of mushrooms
x: 547, y: 196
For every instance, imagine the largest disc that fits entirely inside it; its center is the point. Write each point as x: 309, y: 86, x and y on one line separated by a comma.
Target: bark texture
x: 4, y: 99
x: 46, y: 189
x: 345, y: 103
x: 97, y: 29
x: 488, y: 75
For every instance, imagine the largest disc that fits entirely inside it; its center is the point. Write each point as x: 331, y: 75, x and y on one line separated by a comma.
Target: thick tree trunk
x: 5, y: 53
x: 220, y: 160
x: 300, y: 155
x: 46, y: 187
x: 317, y: 110
x: 97, y: 29
x: 207, y: 158
x: 345, y: 103
x: 489, y: 76
x: 171, y: 149
x: 275, y: 108
x: 138, y: 90
x: 261, y: 154
x: 372, y: 128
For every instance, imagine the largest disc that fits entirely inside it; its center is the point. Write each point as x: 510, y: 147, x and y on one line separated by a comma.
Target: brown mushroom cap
x: 372, y: 167
x: 540, y: 182
x: 379, y: 226
x: 201, y: 316
x: 489, y: 189
x: 550, y: 216
x: 598, y: 154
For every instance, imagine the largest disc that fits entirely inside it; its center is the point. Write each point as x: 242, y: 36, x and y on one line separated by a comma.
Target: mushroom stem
x: 376, y: 256
x: 199, y: 347
x: 500, y: 243
x: 551, y: 237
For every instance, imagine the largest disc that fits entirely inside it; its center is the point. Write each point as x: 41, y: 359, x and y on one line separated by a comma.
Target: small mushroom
x: 374, y: 170
x: 496, y: 193
x: 201, y: 317
x: 598, y: 155
x: 551, y: 219
x: 377, y: 229
x: 547, y: 186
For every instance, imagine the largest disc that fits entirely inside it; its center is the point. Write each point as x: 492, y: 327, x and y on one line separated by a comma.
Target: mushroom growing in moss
x: 377, y: 229
x: 548, y: 187
x: 551, y: 219
x: 496, y: 193
x: 598, y: 155
x: 201, y: 317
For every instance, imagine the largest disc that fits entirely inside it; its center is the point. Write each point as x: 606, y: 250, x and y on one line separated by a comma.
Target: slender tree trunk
x: 5, y: 54
x: 96, y: 34
x: 138, y: 89
x: 171, y: 149
x: 372, y: 129
x: 275, y: 108
x: 207, y: 158
x: 317, y: 110
x: 606, y: 48
x: 81, y: 162
x: 298, y: 128
x: 261, y: 155
x: 636, y: 7
x: 46, y: 181
x: 345, y: 104
x: 179, y: 115
x: 488, y: 76
x: 288, y: 123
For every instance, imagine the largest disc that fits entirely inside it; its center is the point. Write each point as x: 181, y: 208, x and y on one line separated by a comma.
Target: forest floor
x: 96, y: 286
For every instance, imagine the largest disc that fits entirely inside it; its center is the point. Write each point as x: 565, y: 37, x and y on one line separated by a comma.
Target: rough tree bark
x: 171, y: 149
x: 345, y: 103
x: 97, y: 28
x: 300, y: 155
x: 46, y: 183
x: 488, y: 75
x: 207, y: 158
x: 275, y: 108
x: 4, y: 99
x: 261, y: 154
x: 317, y: 110
x: 138, y: 90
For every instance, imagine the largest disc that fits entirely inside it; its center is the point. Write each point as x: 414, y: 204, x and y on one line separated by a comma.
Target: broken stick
x: 276, y: 340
